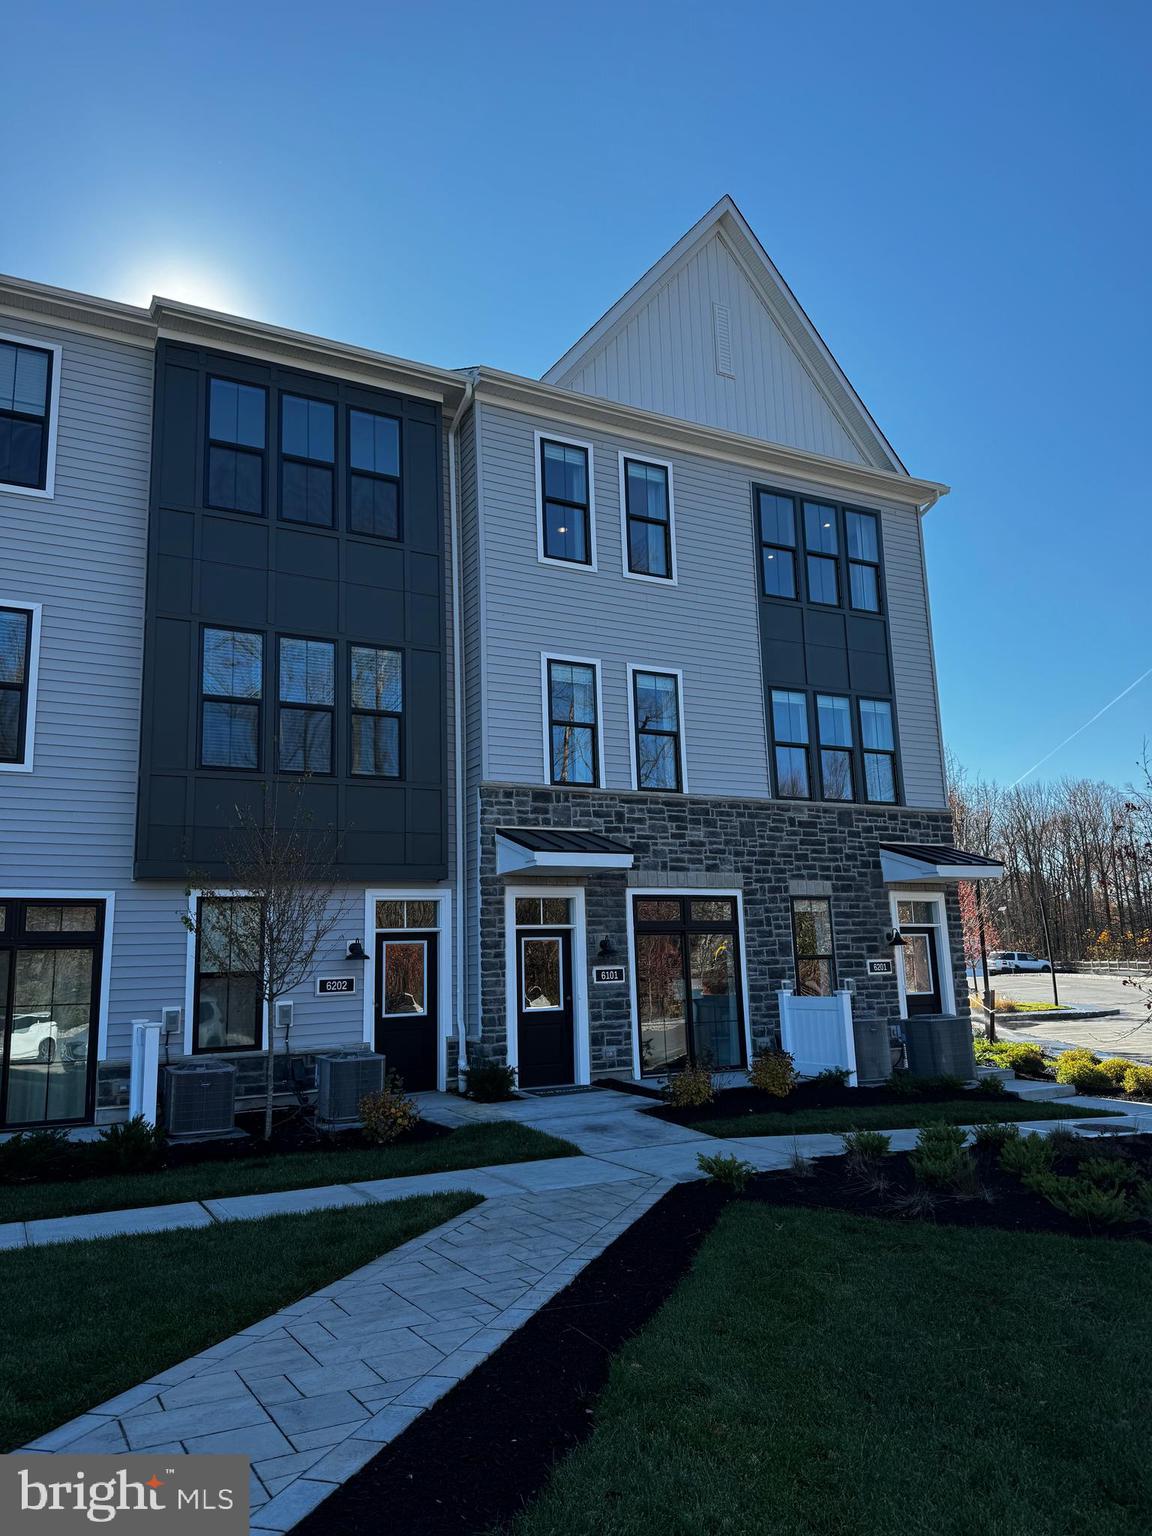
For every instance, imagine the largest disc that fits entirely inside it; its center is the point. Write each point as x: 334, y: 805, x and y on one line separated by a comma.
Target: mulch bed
x: 486, y: 1449
x: 813, y: 1094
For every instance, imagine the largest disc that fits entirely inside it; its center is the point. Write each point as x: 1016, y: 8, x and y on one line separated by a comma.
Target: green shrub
x: 991, y: 1087
x: 1112, y: 1173
x: 389, y: 1113
x: 1082, y: 1071
x: 831, y: 1077
x: 725, y: 1169
x: 132, y: 1146
x: 863, y: 1147
x: 995, y: 1136
x: 1138, y: 1082
x: 1064, y: 1142
x: 691, y: 1088
x: 940, y: 1159
x: 32, y: 1156
x: 773, y: 1072
x: 1116, y: 1067
x: 490, y: 1083
x: 1024, y: 1057
x: 1026, y: 1157
x: 1083, y: 1200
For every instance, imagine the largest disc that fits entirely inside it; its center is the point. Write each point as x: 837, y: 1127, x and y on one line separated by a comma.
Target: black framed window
x: 878, y: 740
x: 573, y: 746
x: 812, y: 946
x: 307, y: 698
x: 777, y: 520
x: 790, y: 740
x: 862, y: 537
x: 374, y: 474
x: 307, y: 459
x: 689, y: 993
x: 232, y: 686
x: 25, y: 411
x: 15, y: 673
x: 656, y: 706
x: 237, y: 437
x: 821, y: 541
x: 377, y: 693
x: 229, y: 1007
x: 648, y: 514
x: 565, y: 503
x: 834, y: 726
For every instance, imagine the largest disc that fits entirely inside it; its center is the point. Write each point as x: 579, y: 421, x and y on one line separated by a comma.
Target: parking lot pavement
x: 1127, y: 1033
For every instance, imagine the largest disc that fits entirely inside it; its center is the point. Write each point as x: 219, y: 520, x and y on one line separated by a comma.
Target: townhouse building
x: 609, y: 697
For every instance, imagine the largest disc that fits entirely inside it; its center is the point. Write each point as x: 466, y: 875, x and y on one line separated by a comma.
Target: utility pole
x: 1048, y: 948
x: 989, y: 995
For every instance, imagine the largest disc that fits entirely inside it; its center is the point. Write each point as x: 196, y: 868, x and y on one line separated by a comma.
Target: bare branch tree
x: 270, y: 919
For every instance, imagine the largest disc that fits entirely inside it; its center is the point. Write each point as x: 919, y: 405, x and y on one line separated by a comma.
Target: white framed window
x: 19, y: 674
x: 29, y: 411
x: 656, y: 729
x: 565, y: 502
x: 572, y: 709
x: 647, y: 519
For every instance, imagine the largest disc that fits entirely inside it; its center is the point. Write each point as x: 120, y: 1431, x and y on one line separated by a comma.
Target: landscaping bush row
x: 773, y: 1074
x: 1112, y: 1077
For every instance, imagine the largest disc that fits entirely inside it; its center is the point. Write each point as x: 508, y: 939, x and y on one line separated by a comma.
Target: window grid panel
x: 776, y: 519
x: 231, y: 690
x: 307, y: 458
x: 656, y: 705
x: 377, y: 694
x: 237, y: 440
x: 573, y: 729
x: 813, y: 948
x: 25, y: 411
x: 15, y: 654
x: 647, y: 508
x: 565, y: 501
x: 229, y: 1009
x: 307, y: 698
x: 790, y: 738
x: 374, y: 471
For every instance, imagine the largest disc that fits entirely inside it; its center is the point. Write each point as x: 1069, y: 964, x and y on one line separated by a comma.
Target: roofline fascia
x: 83, y: 311
x: 855, y: 480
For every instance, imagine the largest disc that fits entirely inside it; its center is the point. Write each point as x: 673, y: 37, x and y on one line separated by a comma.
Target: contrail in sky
x: 1083, y: 727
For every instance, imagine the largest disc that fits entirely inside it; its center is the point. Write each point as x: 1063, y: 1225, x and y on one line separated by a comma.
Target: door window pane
x: 389, y: 914
x: 917, y: 952
x: 556, y: 909
x: 405, y: 967
x: 719, y: 911
x: 541, y: 974
x: 656, y: 911
x: 661, y: 1002
x: 715, y: 1010
x: 916, y: 912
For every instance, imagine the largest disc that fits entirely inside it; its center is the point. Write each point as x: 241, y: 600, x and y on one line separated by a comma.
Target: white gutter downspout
x: 458, y: 736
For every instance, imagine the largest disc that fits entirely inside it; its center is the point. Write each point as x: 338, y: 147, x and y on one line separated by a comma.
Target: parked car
x: 1013, y: 960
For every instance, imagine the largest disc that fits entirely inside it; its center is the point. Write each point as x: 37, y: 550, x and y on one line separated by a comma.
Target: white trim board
x: 581, y: 1040
x: 37, y: 611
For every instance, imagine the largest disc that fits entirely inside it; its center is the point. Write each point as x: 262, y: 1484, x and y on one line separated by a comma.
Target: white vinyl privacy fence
x: 817, y: 1032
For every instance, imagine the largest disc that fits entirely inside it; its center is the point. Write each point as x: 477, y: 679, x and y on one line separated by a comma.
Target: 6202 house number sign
x: 335, y: 986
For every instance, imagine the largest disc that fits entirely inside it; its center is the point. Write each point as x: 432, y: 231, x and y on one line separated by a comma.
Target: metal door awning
x: 935, y: 861
x: 557, y: 849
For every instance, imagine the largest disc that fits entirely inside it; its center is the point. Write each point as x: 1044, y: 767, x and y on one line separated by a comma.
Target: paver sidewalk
x: 313, y: 1392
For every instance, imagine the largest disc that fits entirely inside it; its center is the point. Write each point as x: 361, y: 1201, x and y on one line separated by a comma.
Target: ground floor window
x: 229, y: 1007
x: 49, y: 1006
x: 812, y: 947
x: 688, y: 982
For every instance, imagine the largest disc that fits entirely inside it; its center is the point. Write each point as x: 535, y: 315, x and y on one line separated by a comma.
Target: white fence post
x: 145, y: 1070
x: 844, y: 997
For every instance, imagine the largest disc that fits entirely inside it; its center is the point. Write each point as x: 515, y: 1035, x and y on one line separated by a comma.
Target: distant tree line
x: 1076, y: 851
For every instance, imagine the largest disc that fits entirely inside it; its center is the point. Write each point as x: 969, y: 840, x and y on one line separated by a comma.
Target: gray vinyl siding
x: 706, y: 625
x: 662, y: 357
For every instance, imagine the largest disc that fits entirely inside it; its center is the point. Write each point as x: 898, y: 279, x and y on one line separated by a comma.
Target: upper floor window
x: 25, y: 415
x: 863, y: 539
x: 232, y: 685
x: 377, y: 710
x: 777, y: 518
x: 822, y: 544
x: 307, y: 457
x: 573, y: 728
x: 658, y: 730
x: 237, y: 434
x: 834, y: 721
x: 565, y: 502
x: 374, y: 467
x: 17, y: 670
x: 229, y: 1008
x: 879, y: 743
x: 649, y: 543
x: 307, y: 704
x: 790, y: 735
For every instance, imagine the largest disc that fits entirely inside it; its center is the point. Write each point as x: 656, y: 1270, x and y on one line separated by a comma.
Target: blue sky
x: 958, y: 195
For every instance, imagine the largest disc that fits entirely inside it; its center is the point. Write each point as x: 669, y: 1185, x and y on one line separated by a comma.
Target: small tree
x: 272, y: 916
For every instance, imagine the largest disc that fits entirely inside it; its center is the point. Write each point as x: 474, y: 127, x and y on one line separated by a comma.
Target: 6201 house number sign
x: 335, y: 986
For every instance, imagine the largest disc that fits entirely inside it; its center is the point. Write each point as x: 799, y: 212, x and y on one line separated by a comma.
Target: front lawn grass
x: 472, y: 1146
x: 87, y: 1321
x: 819, y: 1374
x: 890, y: 1117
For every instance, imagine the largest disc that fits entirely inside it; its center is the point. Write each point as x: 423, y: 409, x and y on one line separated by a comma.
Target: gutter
x: 457, y: 732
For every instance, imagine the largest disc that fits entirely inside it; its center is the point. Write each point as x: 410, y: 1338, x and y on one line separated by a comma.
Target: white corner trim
x: 665, y: 464
x: 582, y: 1053
x: 57, y: 351
x: 36, y: 610
x: 445, y: 1025
x: 546, y: 714
x: 539, y: 437
x: 678, y: 673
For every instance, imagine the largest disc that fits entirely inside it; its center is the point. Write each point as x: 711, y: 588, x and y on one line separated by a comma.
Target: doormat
x: 556, y: 1093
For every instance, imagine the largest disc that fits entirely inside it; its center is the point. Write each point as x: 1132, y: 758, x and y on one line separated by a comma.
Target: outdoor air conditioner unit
x: 343, y: 1078
x: 200, y: 1100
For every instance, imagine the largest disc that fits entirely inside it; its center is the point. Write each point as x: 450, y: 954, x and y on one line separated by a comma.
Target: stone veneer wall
x: 769, y: 850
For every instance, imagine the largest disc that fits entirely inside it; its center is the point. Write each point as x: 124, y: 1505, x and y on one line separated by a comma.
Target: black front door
x: 407, y: 1011
x: 544, y: 1007
x: 921, y: 954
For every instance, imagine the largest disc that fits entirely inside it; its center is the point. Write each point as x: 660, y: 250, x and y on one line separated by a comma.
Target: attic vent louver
x: 722, y: 334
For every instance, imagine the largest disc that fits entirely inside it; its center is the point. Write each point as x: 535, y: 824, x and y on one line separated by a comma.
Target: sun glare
x: 206, y: 290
